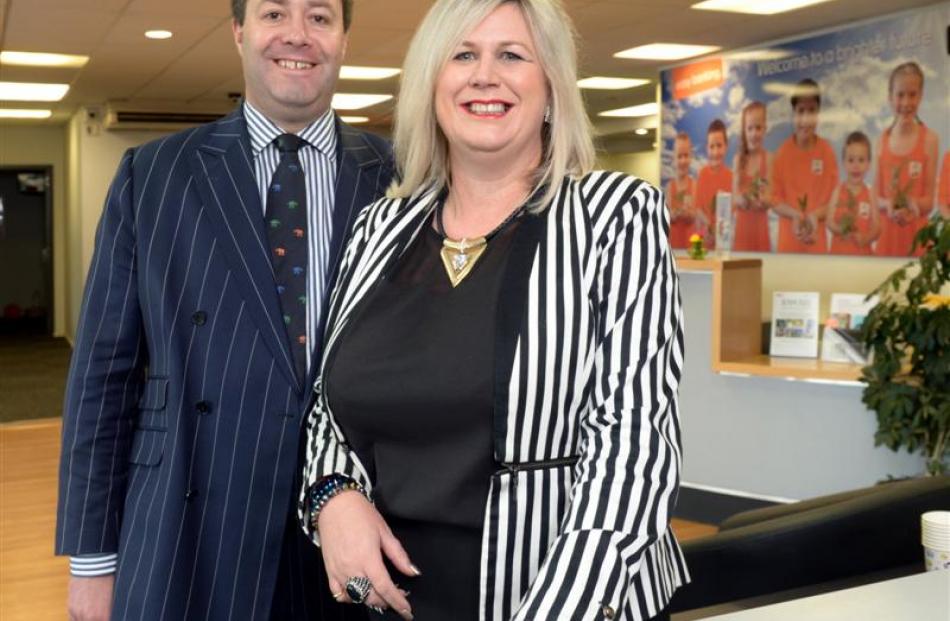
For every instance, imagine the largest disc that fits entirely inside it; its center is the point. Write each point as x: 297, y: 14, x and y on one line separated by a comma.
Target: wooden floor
x: 32, y: 580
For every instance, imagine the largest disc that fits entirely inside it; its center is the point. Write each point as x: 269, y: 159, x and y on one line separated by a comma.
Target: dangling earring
x: 547, y: 114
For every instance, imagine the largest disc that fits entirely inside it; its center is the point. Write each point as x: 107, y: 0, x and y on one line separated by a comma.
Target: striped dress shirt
x: 318, y: 157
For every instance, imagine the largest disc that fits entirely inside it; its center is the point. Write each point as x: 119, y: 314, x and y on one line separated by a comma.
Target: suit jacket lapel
x: 224, y: 175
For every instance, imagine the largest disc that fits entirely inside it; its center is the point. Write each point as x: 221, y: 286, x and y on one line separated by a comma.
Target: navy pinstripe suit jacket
x: 183, y: 415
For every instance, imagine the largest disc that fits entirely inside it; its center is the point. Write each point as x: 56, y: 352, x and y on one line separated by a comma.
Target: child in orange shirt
x: 851, y: 220
x: 804, y: 175
x: 943, y: 194
x: 714, y: 177
x: 752, y: 165
x: 906, y: 166
x: 679, y: 194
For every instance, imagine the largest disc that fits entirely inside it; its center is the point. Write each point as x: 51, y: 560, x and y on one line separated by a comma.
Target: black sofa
x: 825, y: 539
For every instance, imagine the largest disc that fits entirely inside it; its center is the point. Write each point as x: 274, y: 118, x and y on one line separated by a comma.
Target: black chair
x: 807, y: 543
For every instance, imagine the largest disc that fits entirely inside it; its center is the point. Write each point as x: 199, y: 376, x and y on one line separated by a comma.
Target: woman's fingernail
x: 406, y: 613
x: 415, y: 569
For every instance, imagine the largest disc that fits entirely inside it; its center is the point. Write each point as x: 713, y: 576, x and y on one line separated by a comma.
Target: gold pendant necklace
x: 459, y: 257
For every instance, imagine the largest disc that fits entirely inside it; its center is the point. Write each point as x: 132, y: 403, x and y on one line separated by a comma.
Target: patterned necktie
x: 287, y: 234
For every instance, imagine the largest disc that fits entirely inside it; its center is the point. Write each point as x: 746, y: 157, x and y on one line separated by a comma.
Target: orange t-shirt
x: 858, y: 207
x: 943, y: 194
x: 710, y: 182
x: 901, y: 175
x: 752, y: 226
x: 806, y: 176
x: 680, y: 228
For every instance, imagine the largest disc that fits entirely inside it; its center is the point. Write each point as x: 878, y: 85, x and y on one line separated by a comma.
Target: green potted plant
x: 908, y: 336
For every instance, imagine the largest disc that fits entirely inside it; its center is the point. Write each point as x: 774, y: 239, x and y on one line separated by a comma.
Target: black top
x: 412, y: 384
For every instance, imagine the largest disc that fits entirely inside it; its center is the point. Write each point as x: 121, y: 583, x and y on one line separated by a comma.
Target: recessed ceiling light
x: 351, y: 72
x: 158, y: 34
x: 21, y: 113
x: 32, y: 91
x: 665, y: 51
x: 643, y: 131
x: 610, y: 84
x: 755, y: 7
x: 647, y: 109
x: 38, y: 59
x: 353, y: 120
x: 351, y: 101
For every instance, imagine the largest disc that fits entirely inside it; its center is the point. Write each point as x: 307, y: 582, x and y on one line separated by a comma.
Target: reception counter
x: 749, y: 431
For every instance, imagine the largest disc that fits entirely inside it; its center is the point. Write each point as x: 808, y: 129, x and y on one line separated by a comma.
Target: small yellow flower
x: 695, y: 238
x: 934, y: 301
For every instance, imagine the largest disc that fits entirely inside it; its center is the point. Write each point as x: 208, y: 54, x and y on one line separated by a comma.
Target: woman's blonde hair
x: 421, y: 149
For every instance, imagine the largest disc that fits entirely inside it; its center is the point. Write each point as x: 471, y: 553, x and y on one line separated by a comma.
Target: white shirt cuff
x: 91, y: 565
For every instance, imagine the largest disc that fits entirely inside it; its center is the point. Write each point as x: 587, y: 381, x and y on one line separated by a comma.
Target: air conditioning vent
x: 120, y: 117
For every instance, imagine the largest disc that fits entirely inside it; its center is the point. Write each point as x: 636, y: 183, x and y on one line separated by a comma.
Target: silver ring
x: 358, y: 588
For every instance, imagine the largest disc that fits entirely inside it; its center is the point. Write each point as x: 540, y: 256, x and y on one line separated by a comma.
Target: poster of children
x: 836, y: 143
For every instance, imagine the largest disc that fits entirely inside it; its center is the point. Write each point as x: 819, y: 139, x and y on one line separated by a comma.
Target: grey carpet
x: 32, y: 377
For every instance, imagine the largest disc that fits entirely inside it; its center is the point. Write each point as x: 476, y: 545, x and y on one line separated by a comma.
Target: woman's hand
x: 353, y: 538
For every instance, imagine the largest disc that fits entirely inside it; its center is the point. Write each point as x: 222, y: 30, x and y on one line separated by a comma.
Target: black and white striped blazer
x: 589, y: 351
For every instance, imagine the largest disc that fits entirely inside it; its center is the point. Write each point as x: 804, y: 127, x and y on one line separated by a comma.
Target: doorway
x: 26, y: 261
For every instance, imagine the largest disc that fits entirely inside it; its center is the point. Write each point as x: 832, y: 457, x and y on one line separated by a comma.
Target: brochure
x: 795, y: 324
x: 841, y: 340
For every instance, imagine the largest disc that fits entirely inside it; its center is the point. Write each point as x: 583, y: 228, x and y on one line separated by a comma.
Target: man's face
x: 291, y: 51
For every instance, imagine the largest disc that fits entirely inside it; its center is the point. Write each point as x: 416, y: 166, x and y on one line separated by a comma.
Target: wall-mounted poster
x: 832, y: 143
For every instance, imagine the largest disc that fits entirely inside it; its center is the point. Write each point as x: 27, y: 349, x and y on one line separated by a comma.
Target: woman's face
x: 491, y: 95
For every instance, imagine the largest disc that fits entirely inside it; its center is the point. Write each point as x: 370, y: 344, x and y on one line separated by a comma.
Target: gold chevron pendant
x: 459, y: 257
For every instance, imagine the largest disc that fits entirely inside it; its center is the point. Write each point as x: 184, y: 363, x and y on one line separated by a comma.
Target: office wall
x: 643, y: 164
x: 34, y: 144
x: 94, y: 154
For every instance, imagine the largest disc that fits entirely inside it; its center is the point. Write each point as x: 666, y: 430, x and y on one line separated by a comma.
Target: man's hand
x: 90, y: 599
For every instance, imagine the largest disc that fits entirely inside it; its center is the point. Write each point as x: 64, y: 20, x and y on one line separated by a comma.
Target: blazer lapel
x: 224, y: 176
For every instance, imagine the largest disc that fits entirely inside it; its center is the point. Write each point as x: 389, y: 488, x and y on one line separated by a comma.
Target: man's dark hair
x: 806, y: 89
x: 239, y: 8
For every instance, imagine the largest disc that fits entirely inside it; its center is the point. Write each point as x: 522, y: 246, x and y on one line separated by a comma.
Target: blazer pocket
x: 148, y: 441
x: 147, y: 447
x: 153, y: 397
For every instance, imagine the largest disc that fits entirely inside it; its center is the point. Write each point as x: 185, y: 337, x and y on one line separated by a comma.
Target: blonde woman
x: 496, y: 417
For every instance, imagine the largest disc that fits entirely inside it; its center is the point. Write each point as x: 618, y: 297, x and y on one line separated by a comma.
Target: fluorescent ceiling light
x: 158, y: 34
x: 351, y: 72
x: 38, y: 59
x: 610, y: 84
x: 19, y: 113
x: 351, y: 101
x: 643, y: 131
x: 647, y: 109
x: 666, y: 51
x: 32, y: 91
x: 755, y: 7
x: 353, y: 120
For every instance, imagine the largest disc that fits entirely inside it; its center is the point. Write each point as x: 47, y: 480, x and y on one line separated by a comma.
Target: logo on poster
x: 915, y: 169
x: 697, y: 77
x: 817, y: 167
x: 864, y: 210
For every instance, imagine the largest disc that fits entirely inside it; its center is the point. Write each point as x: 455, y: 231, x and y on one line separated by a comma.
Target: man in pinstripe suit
x: 184, y: 406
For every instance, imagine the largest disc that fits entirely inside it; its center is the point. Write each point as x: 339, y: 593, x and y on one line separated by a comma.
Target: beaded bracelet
x: 326, y: 488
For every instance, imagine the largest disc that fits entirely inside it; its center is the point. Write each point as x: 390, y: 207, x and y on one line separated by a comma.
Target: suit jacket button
x: 203, y: 407
x: 191, y: 495
x: 608, y: 612
x: 199, y: 318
